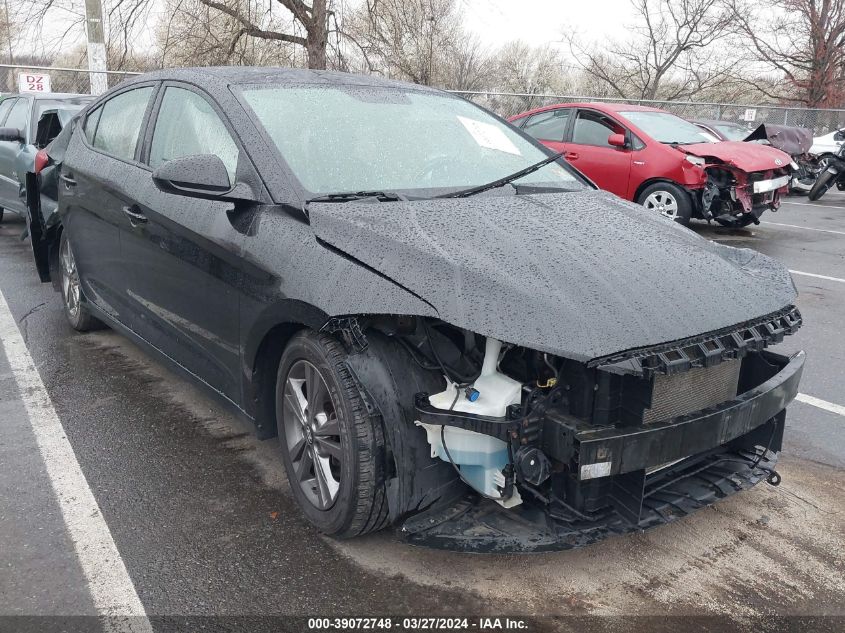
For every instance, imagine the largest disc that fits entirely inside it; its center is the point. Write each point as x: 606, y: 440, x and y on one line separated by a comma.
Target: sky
x: 541, y: 22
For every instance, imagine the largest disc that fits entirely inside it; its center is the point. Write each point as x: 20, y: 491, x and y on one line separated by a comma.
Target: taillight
x: 41, y: 161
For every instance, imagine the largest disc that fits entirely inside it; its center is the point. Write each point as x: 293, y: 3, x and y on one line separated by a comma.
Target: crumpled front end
x: 734, y: 197
x: 614, y: 445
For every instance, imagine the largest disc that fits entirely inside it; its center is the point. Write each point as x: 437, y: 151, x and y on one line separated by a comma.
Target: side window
x: 592, y: 128
x: 187, y: 124
x: 91, y: 124
x: 120, y: 122
x: 548, y: 126
x: 19, y: 115
x: 5, y: 106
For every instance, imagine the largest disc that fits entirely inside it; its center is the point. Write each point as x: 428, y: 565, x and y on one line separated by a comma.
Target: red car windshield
x: 667, y: 128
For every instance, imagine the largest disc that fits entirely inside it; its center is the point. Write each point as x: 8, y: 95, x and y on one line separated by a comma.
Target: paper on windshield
x: 488, y: 135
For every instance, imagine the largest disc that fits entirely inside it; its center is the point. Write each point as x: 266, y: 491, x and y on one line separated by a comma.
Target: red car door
x: 607, y: 166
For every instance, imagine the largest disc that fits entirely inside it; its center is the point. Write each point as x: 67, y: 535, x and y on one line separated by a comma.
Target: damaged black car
x: 447, y: 327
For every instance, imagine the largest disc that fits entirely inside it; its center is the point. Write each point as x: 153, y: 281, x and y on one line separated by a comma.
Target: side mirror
x: 200, y: 176
x: 617, y: 140
x: 11, y: 134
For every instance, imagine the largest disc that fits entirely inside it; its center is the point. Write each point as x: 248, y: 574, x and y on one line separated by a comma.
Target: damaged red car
x: 662, y: 161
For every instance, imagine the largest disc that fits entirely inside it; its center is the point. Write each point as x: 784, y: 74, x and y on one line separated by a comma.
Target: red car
x: 662, y: 161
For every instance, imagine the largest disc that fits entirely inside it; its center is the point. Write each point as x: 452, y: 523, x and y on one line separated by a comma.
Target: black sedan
x: 447, y: 327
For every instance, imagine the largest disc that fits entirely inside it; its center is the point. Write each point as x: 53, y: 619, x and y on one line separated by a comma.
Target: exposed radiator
x: 692, y: 390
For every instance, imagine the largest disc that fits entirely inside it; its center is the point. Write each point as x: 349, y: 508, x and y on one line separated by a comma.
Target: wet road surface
x: 200, y: 513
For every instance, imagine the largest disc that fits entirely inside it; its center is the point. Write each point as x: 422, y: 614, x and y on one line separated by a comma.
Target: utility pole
x: 96, y: 46
x: 9, y: 32
x: 10, y: 72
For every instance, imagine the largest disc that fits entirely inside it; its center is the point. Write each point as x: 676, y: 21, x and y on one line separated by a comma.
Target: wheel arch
x: 653, y: 181
x: 264, y: 341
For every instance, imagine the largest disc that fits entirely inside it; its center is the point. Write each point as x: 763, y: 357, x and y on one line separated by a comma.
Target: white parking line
x: 821, y: 404
x: 820, y: 206
x: 806, y: 228
x: 798, y: 272
x: 111, y: 588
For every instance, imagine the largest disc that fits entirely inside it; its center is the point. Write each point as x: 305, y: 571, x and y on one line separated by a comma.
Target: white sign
x: 750, y: 114
x: 33, y: 82
x: 487, y: 135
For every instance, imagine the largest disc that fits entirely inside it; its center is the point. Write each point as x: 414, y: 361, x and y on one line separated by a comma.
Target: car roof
x: 228, y: 75
x: 55, y: 96
x: 601, y: 106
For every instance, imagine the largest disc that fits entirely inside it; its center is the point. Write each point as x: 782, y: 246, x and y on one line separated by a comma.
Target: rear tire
x: 669, y: 200
x: 332, y: 447
x: 822, y: 184
x: 73, y: 299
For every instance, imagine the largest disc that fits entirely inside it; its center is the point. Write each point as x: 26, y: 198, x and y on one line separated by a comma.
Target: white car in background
x: 829, y: 144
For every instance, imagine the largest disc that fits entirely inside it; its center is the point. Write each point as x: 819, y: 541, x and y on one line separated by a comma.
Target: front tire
x: 73, y: 299
x: 822, y: 184
x: 669, y: 200
x: 332, y: 447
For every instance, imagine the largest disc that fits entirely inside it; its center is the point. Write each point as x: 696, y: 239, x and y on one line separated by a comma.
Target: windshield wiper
x: 501, y: 182
x: 347, y: 196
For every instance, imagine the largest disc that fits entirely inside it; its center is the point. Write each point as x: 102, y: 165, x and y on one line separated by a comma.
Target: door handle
x: 571, y: 155
x: 69, y: 182
x: 135, y: 216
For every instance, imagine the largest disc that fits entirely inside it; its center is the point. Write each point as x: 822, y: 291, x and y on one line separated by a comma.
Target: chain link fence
x: 77, y: 80
x: 67, y: 80
x: 820, y: 121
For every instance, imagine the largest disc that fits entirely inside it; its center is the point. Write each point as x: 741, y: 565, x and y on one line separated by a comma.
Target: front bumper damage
x: 619, y: 478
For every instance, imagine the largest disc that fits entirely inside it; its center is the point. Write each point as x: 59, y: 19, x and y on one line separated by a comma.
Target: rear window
x: 71, y: 106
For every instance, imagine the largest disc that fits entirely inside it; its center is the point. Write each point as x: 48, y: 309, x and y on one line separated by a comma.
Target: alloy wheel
x: 662, y: 202
x: 312, y: 434
x: 70, y: 279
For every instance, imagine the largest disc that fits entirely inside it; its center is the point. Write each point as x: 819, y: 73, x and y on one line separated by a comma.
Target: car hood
x: 581, y: 275
x: 745, y: 156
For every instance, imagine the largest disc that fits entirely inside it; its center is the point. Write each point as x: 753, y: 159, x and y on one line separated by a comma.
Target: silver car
x: 21, y: 138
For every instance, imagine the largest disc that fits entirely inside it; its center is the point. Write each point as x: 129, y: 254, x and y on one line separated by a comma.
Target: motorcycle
x: 833, y: 174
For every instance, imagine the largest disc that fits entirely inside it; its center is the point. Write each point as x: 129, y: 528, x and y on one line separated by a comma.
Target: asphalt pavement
x: 177, y: 510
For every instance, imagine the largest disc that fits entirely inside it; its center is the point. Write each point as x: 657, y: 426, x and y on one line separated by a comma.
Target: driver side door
x: 183, y: 251
x: 588, y: 150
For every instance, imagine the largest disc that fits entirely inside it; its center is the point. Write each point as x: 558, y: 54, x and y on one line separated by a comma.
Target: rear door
x: 96, y: 187
x: 183, y: 251
x: 549, y: 127
x: 588, y: 150
x: 10, y: 181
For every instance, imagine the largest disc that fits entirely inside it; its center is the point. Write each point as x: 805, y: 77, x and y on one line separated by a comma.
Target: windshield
x: 355, y: 138
x: 667, y: 128
x: 732, y: 132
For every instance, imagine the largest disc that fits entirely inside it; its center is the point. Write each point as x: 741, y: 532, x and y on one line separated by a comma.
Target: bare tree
x: 195, y: 35
x: 802, y: 41
x: 529, y: 71
x: 313, y: 20
x: 670, y: 54
x: 407, y: 39
x: 294, y: 22
x: 469, y: 65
